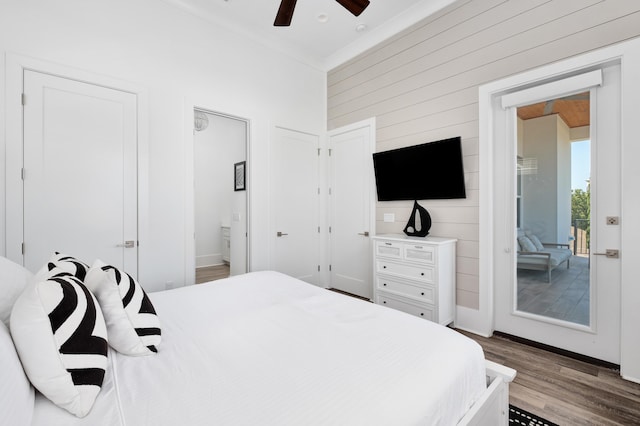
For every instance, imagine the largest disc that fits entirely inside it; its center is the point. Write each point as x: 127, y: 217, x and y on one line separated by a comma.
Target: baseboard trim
x: 558, y: 351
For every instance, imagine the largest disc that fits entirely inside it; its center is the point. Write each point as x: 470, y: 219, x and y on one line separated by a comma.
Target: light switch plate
x: 389, y: 217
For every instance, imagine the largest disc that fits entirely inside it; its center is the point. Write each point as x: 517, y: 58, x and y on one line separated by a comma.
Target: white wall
x: 546, y: 194
x: 422, y: 85
x: 216, y: 150
x: 174, y: 56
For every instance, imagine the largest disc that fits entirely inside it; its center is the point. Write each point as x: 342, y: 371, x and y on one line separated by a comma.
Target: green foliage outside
x: 581, y: 210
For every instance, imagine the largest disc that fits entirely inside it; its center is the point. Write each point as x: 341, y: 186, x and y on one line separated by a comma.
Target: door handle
x: 127, y: 244
x: 280, y: 234
x: 365, y: 233
x: 609, y: 253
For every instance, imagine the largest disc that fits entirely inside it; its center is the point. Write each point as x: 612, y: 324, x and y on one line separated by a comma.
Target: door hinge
x: 23, y: 99
x: 318, y: 268
x: 329, y: 191
x: 329, y: 268
x: 318, y: 190
x: 329, y: 229
x: 22, y: 173
x: 318, y: 152
x: 330, y: 152
x: 318, y: 229
x: 22, y: 247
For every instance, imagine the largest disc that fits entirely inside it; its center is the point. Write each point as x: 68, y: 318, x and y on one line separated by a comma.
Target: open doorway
x: 220, y: 196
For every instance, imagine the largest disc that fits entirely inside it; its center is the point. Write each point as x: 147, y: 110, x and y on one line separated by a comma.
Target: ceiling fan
x: 285, y: 12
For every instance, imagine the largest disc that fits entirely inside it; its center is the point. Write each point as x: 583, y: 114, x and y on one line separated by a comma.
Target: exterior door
x: 80, y: 173
x: 294, y: 204
x: 351, y: 203
x: 596, y: 332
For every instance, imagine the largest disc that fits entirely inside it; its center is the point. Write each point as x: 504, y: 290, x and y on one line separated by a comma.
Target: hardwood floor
x: 211, y: 273
x: 564, y: 390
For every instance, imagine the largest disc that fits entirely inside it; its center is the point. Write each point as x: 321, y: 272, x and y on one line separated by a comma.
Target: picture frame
x: 239, y: 176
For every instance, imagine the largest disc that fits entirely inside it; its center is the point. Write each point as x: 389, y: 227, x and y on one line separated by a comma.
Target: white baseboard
x: 209, y: 260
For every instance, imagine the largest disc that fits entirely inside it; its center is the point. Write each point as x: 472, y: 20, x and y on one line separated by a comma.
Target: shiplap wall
x: 422, y: 85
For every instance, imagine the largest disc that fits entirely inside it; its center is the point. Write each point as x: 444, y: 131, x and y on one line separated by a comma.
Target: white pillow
x: 133, y: 326
x: 16, y: 393
x: 61, y: 338
x: 13, y: 280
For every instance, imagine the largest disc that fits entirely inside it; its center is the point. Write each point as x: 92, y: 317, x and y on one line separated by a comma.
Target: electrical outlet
x: 613, y: 220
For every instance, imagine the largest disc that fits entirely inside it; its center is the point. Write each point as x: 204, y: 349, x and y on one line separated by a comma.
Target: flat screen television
x: 429, y: 171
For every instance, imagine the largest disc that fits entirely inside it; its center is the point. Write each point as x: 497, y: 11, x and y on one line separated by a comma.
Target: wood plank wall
x: 422, y: 85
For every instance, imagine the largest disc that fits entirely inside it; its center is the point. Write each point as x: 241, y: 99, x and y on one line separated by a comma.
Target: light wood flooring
x: 566, y: 297
x: 564, y: 390
x: 211, y: 273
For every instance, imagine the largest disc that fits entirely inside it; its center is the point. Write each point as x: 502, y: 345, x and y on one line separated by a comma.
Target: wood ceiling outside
x: 574, y: 110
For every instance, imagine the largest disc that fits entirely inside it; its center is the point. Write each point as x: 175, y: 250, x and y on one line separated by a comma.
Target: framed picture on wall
x: 239, y: 176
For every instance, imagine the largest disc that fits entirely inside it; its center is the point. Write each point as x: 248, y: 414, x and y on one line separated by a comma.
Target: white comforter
x: 267, y: 349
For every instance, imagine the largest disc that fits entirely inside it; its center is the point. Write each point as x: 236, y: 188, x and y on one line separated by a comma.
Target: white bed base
x: 493, y: 406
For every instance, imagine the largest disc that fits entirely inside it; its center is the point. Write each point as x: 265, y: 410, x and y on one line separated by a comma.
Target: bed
x: 267, y: 349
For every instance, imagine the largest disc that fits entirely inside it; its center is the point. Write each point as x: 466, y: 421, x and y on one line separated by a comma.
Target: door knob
x: 128, y: 244
x: 365, y: 233
x: 280, y: 234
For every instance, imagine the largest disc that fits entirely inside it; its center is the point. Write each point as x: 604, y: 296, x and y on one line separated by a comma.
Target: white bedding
x: 267, y: 349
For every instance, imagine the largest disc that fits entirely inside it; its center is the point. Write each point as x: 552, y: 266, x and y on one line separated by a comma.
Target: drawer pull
x: 384, y: 284
x: 422, y: 273
x: 418, y: 247
x: 384, y: 266
x: 384, y: 301
x: 421, y: 294
x: 388, y: 244
x: 421, y: 314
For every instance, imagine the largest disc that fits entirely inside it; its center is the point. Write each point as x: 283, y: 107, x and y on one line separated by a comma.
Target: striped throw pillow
x: 132, y: 323
x: 63, y: 262
x: 61, y: 338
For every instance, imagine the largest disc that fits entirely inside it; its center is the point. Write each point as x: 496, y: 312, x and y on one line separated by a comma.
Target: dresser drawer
x: 419, y: 253
x: 425, y: 293
x: 426, y: 312
x: 389, y: 249
x: 421, y: 273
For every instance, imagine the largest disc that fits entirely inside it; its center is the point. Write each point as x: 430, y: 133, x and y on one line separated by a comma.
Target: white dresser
x: 416, y: 275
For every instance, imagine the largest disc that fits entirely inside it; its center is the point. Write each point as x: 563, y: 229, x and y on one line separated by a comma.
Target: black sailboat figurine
x: 421, y: 228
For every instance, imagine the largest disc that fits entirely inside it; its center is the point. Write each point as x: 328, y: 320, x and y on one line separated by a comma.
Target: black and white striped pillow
x: 132, y: 323
x: 63, y: 262
x: 61, y: 338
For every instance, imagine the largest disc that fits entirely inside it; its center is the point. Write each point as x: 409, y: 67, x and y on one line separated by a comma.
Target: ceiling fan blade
x: 285, y: 13
x: 354, y: 6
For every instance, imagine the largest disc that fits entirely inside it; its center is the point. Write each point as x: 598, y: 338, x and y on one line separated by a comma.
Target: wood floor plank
x: 562, y: 389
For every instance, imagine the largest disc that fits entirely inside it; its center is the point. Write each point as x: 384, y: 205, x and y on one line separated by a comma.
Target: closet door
x: 80, y: 173
x: 294, y: 204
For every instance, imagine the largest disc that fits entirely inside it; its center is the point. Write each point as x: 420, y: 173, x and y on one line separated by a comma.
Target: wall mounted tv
x: 428, y: 171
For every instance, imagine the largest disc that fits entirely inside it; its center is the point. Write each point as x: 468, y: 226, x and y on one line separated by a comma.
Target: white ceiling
x: 322, y: 45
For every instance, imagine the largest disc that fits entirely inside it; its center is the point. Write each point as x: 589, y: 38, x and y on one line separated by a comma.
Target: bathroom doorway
x: 220, y: 195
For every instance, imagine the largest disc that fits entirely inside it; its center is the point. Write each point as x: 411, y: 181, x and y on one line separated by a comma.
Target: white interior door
x: 351, y: 203
x: 599, y: 337
x: 294, y: 204
x: 80, y: 175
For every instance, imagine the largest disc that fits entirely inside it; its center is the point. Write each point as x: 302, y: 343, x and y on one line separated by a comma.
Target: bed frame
x: 493, y: 406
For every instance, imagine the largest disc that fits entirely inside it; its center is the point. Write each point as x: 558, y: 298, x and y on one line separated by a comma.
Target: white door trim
x: 628, y: 53
x: 190, y: 106
x: 15, y: 65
